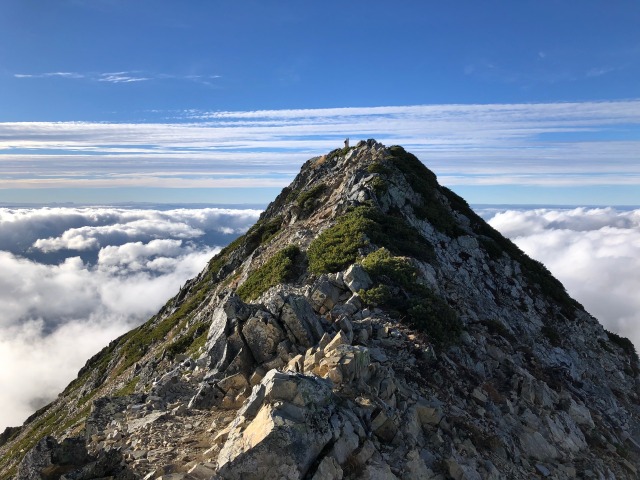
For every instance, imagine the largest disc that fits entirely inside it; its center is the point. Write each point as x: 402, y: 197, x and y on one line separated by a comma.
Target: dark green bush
x: 382, y: 265
x: 379, y: 185
x: 396, y: 289
x: 378, y: 167
x: 278, y: 269
x: 308, y: 200
x: 339, y: 246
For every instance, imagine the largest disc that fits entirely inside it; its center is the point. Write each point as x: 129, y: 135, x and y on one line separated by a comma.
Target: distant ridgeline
x: 369, y: 325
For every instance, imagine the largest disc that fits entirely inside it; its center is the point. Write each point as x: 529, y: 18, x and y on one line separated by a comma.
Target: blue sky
x: 104, y: 101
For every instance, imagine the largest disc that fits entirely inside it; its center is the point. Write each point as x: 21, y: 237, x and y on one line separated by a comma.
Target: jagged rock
x: 262, y: 336
x: 104, y: 409
x: 207, y: 396
x: 329, y: 469
x: 378, y: 471
x: 274, y: 443
x: 301, y: 322
x: 461, y: 470
x: 534, y: 445
x: 415, y: 468
x: 356, y: 278
x: 325, y: 296
x: 70, y: 460
x: 48, y: 459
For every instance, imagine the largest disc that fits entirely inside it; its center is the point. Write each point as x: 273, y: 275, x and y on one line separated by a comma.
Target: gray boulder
x: 301, y: 322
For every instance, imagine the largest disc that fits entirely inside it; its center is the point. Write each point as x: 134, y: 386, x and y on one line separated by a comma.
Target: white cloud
x: 53, y: 229
x: 120, y: 77
x: 38, y: 363
x: 56, y: 315
x: 595, y: 253
x: 50, y: 74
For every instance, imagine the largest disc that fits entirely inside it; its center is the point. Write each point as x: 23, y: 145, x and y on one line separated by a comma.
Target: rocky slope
x: 370, y: 325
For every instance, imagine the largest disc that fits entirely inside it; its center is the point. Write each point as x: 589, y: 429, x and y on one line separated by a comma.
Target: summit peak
x: 369, y: 325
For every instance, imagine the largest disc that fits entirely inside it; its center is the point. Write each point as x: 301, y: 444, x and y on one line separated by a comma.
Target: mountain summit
x: 369, y: 325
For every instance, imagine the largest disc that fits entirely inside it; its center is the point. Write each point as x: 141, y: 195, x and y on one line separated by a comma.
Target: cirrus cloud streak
x: 519, y: 144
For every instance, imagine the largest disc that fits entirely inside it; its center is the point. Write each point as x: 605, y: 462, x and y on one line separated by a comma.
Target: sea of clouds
x: 594, y: 252
x: 75, y: 278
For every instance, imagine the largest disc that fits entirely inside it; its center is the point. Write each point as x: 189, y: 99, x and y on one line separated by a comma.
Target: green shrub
x: 383, y: 266
x: 259, y: 234
x: 278, y: 269
x: 380, y: 295
x: 308, y: 200
x: 341, y: 245
x: 377, y: 167
x: 379, y: 185
x: 396, y: 289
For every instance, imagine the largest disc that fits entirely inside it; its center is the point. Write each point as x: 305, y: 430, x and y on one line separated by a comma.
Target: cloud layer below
x: 75, y: 278
x: 594, y: 252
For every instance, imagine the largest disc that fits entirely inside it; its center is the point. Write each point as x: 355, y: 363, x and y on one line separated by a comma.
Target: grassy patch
x: 44, y: 426
x: 396, y: 290
x: 198, y: 342
x: 341, y: 245
x: 138, y: 341
x: 184, y: 343
x: 128, y: 389
x: 279, y: 268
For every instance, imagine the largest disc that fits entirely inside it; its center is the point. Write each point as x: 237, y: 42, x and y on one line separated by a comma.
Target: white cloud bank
x: 55, y: 315
x: 594, y: 252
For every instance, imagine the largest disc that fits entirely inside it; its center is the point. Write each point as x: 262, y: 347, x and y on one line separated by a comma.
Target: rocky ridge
x: 370, y: 325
